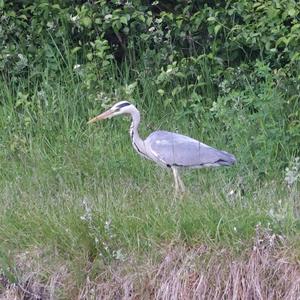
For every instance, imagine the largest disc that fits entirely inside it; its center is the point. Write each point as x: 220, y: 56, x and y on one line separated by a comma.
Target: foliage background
x: 76, y: 201
x: 230, y: 67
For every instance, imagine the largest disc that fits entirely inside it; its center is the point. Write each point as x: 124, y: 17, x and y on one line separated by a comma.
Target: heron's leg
x: 181, y: 184
x: 175, y: 173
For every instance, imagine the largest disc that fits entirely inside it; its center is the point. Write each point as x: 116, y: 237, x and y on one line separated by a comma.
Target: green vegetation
x: 78, y: 196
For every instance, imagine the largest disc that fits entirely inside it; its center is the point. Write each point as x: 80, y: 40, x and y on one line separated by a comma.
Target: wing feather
x: 172, y: 149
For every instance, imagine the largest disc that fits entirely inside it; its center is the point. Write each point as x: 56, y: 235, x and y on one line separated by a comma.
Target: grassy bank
x: 128, y: 237
x: 82, y: 215
x: 76, y: 235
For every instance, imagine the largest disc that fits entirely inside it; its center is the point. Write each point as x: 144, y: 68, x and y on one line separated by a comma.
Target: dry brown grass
x: 265, y: 271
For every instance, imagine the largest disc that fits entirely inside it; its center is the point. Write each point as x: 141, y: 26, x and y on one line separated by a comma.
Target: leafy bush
x: 232, y: 64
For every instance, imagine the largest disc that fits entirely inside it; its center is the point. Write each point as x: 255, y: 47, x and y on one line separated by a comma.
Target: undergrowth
x: 80, y: 194
x: 77, y: 201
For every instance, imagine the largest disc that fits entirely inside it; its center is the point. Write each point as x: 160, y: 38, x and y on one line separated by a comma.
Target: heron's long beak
x: 103, y: 116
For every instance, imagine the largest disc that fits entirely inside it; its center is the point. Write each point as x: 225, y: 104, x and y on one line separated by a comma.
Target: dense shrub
x: 235, y: 63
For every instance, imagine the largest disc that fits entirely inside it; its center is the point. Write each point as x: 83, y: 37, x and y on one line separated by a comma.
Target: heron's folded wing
x: 179, y: 150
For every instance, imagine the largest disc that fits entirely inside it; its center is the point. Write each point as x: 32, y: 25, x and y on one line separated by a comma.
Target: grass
x: 77, y: 201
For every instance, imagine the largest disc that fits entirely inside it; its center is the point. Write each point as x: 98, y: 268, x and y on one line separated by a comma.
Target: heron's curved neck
x: 137, y: 142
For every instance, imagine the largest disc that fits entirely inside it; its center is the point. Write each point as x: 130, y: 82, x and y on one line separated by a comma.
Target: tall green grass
x: 82, y: 192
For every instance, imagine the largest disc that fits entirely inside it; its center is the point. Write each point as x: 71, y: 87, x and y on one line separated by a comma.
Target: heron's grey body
x: 169, y: 149
x: 172, y: 149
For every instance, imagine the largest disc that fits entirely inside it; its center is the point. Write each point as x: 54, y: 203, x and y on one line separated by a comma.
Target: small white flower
x: 107, y: 225
x: 74, y: 19
x: 76, y: 67
x: 118, y: 255
x: 231, y: 193
x: 107, y: 17
x: 50, y: 25
x: 292, y: 174
x: 88, y: 212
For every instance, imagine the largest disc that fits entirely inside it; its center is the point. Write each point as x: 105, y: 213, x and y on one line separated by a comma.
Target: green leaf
x: 86, y: 21
x: 126, y: 30
x: 179, y: 23
x: 117, y: 25
x: 142, y: 18
x: 149, y: 21
x: 281, y: 40
x: 167, y: 101
x: 89, y: 56
x: 292, y: 12
x: 24, y: 17
x: 161, y: 92
x: 211, y: 19
x: 56, y: 6
x: 76, y: 49
x: 123, y: 20
x: 295, y: 27
x: 296, y: 56
x: 144, y: 36
x: 217, y: 28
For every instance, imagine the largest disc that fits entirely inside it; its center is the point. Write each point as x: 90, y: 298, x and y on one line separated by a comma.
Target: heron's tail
x: 226, y: 159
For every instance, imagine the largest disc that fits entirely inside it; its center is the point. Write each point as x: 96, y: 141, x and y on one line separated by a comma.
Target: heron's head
x: 122, y: 107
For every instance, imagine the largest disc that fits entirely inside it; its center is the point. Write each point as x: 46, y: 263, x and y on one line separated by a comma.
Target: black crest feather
x: 123, y: 105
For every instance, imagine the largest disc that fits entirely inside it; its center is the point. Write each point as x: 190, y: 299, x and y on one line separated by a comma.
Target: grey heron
x: 169, y: 149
